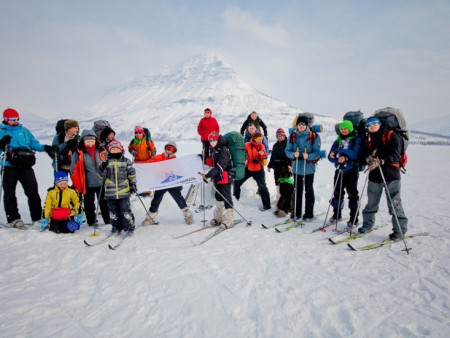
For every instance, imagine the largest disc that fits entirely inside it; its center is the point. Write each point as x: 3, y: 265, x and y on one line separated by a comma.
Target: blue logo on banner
x: 170, y: 177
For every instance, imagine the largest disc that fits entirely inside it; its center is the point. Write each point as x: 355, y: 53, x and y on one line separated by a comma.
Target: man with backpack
x: 18, y: 145
x: 64, y: 143
x: 383, y: 150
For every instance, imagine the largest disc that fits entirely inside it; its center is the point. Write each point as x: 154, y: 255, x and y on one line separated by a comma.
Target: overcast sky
x: 325, y: 57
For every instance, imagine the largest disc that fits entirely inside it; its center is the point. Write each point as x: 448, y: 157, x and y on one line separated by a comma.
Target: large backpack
x: 59, y: 127
x: 395, y: 122
x: 98, y: 127
x: 236, y: 145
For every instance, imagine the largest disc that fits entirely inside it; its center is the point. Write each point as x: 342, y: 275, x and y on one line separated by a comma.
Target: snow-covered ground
x: 247, y: 282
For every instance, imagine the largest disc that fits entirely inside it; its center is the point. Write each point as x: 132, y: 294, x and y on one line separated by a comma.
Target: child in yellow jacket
x: 61, y: 206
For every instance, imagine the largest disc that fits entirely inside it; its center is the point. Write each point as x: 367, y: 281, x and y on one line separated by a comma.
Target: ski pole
x: 295, y: 188
x: 339, y: 210
x: 331, y: 198
x: 56, y: 160
x: 146, y: 211
x: 203, y: 189
x: 304, y: 179
x: 249, y: 223
x: 95, y: 234
x: 359, y: 202
x: 393, y: 209
x: 2, y: 171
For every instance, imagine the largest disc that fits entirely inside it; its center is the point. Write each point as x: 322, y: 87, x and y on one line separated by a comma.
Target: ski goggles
x: 171, y: 148
x: 372, y: 123
x: 12, y: 119
x: 301, y: 124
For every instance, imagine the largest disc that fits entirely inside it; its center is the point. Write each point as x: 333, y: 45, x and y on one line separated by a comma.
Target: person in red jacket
x: 169, y: 153
x: 206, y: 126
x: 254, y: 167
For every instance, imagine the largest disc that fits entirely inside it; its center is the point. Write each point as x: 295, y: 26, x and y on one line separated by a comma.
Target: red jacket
x: 252, y: 150
x: 206, y: 127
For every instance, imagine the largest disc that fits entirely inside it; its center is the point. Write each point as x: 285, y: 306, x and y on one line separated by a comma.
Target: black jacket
x: 220, y: 160
x: 390, y: 153
x: 258, y: 121
x: 279, y: 159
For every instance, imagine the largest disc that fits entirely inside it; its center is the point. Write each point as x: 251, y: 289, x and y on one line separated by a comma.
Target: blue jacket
x: 20, y: 137
x: 313, y: 151
x: 350, y: 149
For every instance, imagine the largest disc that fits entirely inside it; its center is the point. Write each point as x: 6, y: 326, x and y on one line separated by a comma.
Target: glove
x: 71, y: 143
x: 103, y: 165
x: 55, y: 149
x: 375, y: 163
x: 256, y: 160
x: 44, y: 223
x: 133, y: 152
x: 5, y: 141
x: 49, y: 150
x: 79, y: 219
x: 133, y: 189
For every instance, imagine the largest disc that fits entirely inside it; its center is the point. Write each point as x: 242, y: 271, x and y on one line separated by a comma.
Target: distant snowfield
x: 247, y: 282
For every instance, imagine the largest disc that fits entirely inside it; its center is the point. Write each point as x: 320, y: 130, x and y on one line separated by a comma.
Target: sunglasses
x: 12, y: 119
x: 138, y: 133
x: 371, y: 124
x: 212, y: 140
x: 302, y: 124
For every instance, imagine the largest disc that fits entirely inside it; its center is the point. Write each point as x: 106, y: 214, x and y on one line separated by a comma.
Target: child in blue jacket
x: 344, y: 154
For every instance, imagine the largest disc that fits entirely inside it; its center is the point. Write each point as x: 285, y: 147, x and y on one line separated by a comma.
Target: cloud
x: 240, y: 21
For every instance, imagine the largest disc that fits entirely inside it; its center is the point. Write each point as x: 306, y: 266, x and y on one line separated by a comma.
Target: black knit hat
x: 303, y: 119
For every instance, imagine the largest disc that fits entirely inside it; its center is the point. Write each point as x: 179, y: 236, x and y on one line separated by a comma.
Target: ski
x: 344, y: 235
x: 120, y: 241
x: 107, y: 238
x: 289, y: 220
x: 218, y: 231
x: 290, y: 227
x: 301, y: 223
x: 196, y: 231
x: 203, y: 207
x: 27, y: 226
x: 237, y: 221
x: 207, y: 238
x: 384, y: 243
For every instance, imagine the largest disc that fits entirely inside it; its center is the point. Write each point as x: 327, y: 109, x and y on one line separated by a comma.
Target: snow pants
x: 350, y: 184
x: 374, y: 191
x: 90, y: 207
x: 174, y: 192
x: 26, y: 177
x: 225, y: 190
x: 309, y: 195
x: 120, y: 214
x: 260, y: 179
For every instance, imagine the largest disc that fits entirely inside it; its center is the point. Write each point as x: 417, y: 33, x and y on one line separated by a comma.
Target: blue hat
x: 61, y: 176
x: 372, y: 120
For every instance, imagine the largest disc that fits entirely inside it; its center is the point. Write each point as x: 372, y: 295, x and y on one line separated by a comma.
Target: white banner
x: 169, y: 173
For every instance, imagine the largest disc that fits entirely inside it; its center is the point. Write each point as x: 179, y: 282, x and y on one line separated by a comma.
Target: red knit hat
x: 138, y: 129
x: 280, y: 131
x: 10, y: 113
x: 115, y: 144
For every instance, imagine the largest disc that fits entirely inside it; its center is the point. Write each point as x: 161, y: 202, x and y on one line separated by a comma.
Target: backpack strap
x: 312, y: 137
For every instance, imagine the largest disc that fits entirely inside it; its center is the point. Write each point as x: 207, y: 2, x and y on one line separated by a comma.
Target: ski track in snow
x: 246, y: 282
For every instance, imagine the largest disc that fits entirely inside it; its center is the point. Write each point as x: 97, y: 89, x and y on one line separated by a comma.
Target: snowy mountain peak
x: 171, y: 103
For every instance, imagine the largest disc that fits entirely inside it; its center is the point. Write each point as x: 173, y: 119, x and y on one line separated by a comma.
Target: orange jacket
x: 142, y: 151
x: 252, y: 150
x: 78, y: 175
x: 160, y: 157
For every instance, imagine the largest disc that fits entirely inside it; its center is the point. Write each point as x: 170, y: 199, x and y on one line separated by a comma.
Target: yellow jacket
x: 68, y: 198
